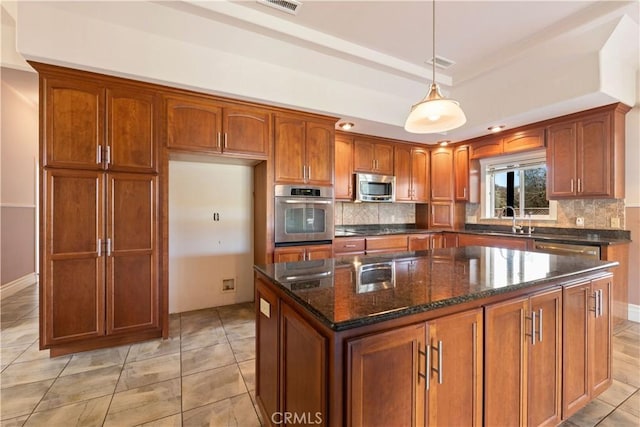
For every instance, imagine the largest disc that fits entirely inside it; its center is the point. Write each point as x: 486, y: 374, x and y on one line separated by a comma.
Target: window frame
x: 528, y: 160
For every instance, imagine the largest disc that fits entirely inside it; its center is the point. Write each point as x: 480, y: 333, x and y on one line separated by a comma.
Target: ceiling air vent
x: 441, y: 62
x: 288, y: 6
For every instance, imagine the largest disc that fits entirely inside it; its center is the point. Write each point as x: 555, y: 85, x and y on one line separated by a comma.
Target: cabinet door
x: 319, y: 153
x: 319, y: 252
x: 267, y: 313
x: 194, y: 124
x: 380, y: 244
x: 377, y: 395
x: 246, y: 131
x: 594, y: 156
x: 420, y: 242
x: 131, y: 130
x: 343, y: 177
x: 544, y: 377
x: 402, y: 168
x: 364, y: 157
x: 441, y: 215
x: 289, y: 254
x: 73, y: 259
x: 600, y: 342
x: 73, y: 124
x: 132, y: 264
x: 383, y: 153
x: 576, y: 312
x: 442, y: 174
x: 455, y: 393
x: 420, y: 174
x: 561, y: 160
x: 303, y: 368
x: 504, y: 364
x: 346, y: 246
x: 289, y: 153
x: 462, y: 174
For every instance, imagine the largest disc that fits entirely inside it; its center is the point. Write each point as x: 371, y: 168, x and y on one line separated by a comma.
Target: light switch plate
x: 265, y: 308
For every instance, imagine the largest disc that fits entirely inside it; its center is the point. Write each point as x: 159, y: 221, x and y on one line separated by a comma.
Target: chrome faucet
x: 514, y: 228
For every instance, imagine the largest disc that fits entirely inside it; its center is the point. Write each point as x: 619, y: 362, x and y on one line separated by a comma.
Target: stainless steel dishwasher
x: 567, y: 249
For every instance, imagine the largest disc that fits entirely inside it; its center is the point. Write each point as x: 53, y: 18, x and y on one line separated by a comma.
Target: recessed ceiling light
x: 444, y: 143
x: 345, y: 125
x: 496, y: 128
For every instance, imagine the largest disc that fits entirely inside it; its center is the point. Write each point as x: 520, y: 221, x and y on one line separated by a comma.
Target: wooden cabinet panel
x: 461, y: 159
x: 267, y: 349
x: 442, y: 174
x: 132, y: 265
x: 246, y: 131
x: 489, y: 147
x: 343, y: 176
x: 348, y: 246
x: 420, y: 174
x: 620, y: 292
x: 524, y: 140
x: 455, y: 392
x: 319, y: 153
x: 561, y: 160
x: 505, y: 356
x: 304, y: 151
x: 518, y: 243
x: 420, y: 242
x: 373, y: 156
x: 74, y: 120
x: 378, y: 244
x: 73, y: 259
x: 382, y: 396
x: 303, y: 367
x: 193, y: 124
x: 544, y: 372
x: 302, y: 253
x: 402, y: 167
x: 131, y: 131
x: 594, y: 156
x: 586, y: 342
x: 442, y: 215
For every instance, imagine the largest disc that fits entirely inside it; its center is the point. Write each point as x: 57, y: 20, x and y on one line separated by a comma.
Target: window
x: 519, y: 182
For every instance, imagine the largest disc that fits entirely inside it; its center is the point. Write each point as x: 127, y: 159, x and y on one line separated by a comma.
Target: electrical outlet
x: 580, y: 221
x: 615, y: 222
x: 472, y: 219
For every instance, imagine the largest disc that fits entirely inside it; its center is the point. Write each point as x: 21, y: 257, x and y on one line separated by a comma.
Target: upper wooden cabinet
x: 411, y: 166
x: 304, y: 151
x: 442, y: 177
x: 373, y: 156
x: 204, y: 125
x: 98, y: 125
x: 343, y: 172
x: 461, y: 167
x: 493, y: 145
x: 585, y: 155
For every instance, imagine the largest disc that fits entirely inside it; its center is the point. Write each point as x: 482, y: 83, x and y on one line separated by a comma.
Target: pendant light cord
x: 433, y: 57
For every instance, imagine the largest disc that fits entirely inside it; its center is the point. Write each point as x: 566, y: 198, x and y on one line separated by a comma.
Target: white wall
x: 203, y: 252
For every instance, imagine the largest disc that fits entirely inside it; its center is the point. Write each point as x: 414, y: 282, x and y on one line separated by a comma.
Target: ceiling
x: 395, y: 37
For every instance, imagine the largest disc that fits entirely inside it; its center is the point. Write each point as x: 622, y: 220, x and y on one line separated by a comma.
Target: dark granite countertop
x: 580, y: 236
x: 348, y: 292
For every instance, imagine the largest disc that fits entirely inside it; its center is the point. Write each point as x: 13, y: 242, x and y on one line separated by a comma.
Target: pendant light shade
x: 435, y: 113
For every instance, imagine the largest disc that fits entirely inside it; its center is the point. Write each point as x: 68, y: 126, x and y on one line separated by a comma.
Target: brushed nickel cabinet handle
x: 572, y: 185
x: 440, y: 367
x: 540, y: 325
x: 108, y: 155
x: 218, y: 136
x: 99, y: 248
x: 108, y: 247
x: 309, y: 172
x: 99, y: 154
x: 225, y: 140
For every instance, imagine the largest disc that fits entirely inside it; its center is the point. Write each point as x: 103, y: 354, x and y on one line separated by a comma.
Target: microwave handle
x: 307, y: 202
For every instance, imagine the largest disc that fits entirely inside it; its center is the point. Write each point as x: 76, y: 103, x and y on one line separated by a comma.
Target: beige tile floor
x: 202, y: 375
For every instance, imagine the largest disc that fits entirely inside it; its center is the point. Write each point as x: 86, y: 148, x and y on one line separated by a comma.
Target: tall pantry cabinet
x: 99, y: 239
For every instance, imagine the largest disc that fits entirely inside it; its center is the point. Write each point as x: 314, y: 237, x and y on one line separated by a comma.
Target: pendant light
x: 435, y: 113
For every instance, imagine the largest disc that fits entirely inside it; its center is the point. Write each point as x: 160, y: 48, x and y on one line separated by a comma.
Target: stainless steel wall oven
x: 303, y: 214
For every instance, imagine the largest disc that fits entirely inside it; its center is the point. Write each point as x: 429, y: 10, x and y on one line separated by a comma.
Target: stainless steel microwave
x: 375, y: 188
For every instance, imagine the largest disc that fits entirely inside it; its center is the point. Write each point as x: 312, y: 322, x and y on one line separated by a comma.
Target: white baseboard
x: 18, y: 285
x: 634, y: 313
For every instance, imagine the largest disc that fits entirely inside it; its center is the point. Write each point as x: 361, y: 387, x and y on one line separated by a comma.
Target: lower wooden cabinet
x: 348, y: 246
x: 381, y: 244
x: 586, y: 342
x: 523, y: 360
x: 436, y: 377
x: 302, y: 253
x: 518, y: 243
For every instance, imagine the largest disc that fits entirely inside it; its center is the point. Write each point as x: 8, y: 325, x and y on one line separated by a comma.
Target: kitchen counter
x: 354, y: 291
x: 379, y: 336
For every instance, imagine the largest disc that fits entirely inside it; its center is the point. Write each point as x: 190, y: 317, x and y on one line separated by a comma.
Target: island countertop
x: 349, y: 292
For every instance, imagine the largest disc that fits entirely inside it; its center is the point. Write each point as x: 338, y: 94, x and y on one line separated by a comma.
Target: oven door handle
x: 307, y: 202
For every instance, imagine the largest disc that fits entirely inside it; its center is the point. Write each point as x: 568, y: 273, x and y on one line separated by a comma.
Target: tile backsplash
x: 597, y: 214
x: 374, y: 213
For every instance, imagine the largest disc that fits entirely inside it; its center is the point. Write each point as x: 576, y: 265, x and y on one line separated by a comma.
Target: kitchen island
x: 451, y: 337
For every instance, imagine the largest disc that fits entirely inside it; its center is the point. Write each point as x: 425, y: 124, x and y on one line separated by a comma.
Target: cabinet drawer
x: 386, y: 244
x: 348, y: 246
